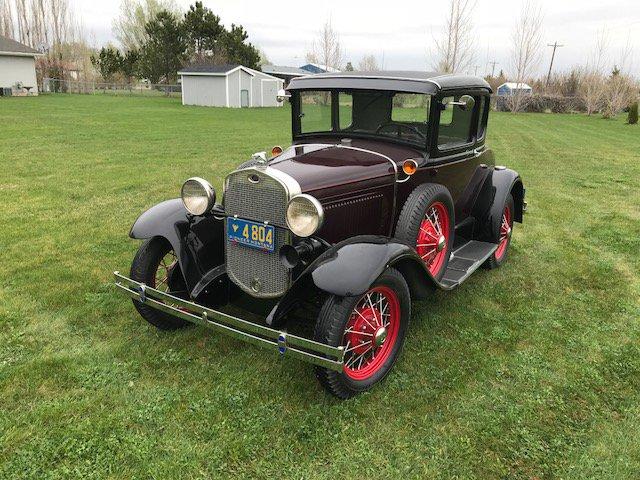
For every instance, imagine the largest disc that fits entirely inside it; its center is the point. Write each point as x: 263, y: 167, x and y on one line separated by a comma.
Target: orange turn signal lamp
x: 275, y: 151
x: 409, y: 167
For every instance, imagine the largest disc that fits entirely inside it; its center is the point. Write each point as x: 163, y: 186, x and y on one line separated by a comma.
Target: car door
x: 455, y: 158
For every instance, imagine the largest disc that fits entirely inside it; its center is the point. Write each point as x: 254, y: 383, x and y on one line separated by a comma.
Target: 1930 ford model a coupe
x: 387, y: 192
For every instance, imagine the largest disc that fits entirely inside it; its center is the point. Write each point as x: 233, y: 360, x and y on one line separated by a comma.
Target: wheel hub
x: 442, y: 242
x: 380, y: 336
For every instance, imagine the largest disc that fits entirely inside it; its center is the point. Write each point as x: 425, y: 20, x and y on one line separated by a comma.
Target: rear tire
x: 381, y: 317
x: 504, y: 236
x: 147, y: 263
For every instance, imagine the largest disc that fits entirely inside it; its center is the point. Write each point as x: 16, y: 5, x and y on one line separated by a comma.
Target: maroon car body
x: 387, y: 192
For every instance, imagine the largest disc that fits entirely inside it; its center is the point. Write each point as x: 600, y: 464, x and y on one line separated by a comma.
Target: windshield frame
x: 296, y: 124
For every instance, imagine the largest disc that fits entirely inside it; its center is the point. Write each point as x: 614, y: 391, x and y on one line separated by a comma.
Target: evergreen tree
x: 203, y: 32
x: 108, y: 62
x: 237, y: 51
x: 165, y: 50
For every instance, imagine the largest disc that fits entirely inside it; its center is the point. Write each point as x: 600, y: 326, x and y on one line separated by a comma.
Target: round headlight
x: 304, y: 215
x: 198, y: 196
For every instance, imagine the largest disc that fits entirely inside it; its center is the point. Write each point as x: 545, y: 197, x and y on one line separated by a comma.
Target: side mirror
x: 282, y: 95
x: 466, y: 102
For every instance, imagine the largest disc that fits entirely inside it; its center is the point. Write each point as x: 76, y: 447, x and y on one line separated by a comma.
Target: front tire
x: 156, y: 265
x: 427, y: 224
x: 372, y: 329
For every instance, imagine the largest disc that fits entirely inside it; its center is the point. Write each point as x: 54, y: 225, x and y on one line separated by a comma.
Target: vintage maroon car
x: 386, y: 193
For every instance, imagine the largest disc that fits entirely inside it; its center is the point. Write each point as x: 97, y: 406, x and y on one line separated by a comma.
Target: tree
x: 131, y: 64
x: 130, y: 26
x: 326, y: 49
x: 237, y: 51
x: 619, y: 86
x: 348, y: 67
x: 368, y: 64
x: 454, y: 49
x: 591, y: 89
x: 526, y: 50
x: 164, y: 52
x: 632, y: 118
x: 108, y: 62
x: 6, y: 19
x: 203, y: 31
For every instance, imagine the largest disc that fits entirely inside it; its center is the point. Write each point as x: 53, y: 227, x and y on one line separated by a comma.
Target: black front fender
x: 197, y: 241
x: 349, y: 268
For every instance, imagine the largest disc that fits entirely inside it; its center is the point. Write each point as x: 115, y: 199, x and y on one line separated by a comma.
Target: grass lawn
x: 530, y: 371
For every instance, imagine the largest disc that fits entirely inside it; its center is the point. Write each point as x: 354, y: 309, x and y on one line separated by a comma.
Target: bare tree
x: 368, y: 64
x: 526, y: 49
x: 593, y: 83
x: 129, y: 27
x: 454, y: 49
x: 618, y: 89
x: 326, y: 49
x: 6, y: 19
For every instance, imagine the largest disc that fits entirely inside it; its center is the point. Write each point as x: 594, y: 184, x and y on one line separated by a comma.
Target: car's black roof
x: 401, y: 81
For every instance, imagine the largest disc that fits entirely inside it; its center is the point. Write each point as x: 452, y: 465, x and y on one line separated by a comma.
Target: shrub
x: 633, y: 113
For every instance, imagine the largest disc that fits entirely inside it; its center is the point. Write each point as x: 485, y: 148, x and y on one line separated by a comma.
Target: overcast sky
x: 400, y: 33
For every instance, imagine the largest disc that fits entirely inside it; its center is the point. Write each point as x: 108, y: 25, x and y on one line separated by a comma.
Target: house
x: 228, y: 86
x: 511, y: 88
x: 17, y: 68
x: 316, y: 68
x: 285, y: 73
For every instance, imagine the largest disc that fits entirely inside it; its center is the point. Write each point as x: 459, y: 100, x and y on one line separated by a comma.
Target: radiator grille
x: 255, y: 195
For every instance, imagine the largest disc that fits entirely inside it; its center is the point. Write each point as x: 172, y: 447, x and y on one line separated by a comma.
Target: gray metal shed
x: 228, y: 86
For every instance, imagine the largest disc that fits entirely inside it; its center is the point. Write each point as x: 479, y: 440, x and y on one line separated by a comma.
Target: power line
x: 553, y: 55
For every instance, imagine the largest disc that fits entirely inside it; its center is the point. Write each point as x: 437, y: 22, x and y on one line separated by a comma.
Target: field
x: 530, y: 371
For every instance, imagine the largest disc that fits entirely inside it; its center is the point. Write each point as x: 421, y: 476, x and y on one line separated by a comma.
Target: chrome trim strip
x: 287, y: 344
x: 395, y: 166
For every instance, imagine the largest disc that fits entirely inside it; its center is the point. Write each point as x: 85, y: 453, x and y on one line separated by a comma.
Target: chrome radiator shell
x: 260, y: 194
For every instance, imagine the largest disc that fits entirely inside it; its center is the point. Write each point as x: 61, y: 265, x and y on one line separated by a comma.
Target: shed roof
x: 215, y: 70
x: 282, y: 70
x: 405, y: 81
x: 11, y: 47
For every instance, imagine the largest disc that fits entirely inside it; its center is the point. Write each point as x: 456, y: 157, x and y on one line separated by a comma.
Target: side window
x: 482, y: 117
x: 315, y: 112
x: 345, y: 102
x: 455, y: 124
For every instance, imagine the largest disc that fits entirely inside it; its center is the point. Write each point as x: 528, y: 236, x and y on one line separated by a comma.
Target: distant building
x: 511, y: 88
x: 316, y: 68
x: 285, y: 73
x: 228, y: 86
x: 17, y: 68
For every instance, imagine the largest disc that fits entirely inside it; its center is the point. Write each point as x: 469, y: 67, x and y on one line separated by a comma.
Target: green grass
x: 531, y: 371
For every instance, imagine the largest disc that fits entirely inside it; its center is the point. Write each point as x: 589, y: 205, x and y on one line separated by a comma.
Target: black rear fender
x: 491, y: 200
x: 197, y: 241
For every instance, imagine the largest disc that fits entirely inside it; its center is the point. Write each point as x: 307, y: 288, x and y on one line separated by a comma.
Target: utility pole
x: 493, y: 68
x: 476, y: 71
x: 553, y: 55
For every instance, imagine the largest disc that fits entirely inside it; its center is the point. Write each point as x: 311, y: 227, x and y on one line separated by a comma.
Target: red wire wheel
x: 432, y: 243
x: 505, y: 233
x: 371, y: 333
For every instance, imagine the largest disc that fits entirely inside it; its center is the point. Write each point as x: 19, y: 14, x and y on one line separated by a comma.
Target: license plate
x: 251, y: 234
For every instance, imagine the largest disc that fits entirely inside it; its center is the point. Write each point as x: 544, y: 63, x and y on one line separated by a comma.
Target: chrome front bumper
x: 285, y: 343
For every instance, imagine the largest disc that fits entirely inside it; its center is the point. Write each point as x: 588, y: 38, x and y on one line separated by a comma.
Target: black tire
x: 500, y: 256
x: 330, y: 329
x: 143, y: 269
x: 414, y: 211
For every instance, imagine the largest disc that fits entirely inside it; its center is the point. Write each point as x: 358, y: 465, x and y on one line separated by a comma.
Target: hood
x: 322, y: 166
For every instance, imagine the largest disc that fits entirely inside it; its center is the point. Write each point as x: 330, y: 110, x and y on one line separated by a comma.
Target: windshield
x: 392, y: 115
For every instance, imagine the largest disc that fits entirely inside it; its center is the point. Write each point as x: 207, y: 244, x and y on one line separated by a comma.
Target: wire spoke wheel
x: 164, y: 271
x: 432, y: 243
x: 371, y: 332
x: 505, y: 232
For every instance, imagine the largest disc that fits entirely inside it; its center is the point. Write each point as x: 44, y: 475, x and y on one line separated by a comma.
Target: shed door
x: 244, y: 98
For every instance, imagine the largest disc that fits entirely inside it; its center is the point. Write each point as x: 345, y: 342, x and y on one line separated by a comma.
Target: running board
x: 464, y: 261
